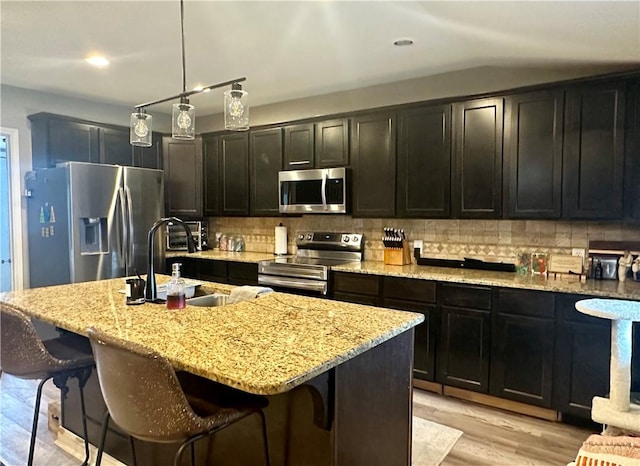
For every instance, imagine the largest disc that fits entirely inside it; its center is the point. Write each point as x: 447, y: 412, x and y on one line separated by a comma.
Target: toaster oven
x: 177, y: 238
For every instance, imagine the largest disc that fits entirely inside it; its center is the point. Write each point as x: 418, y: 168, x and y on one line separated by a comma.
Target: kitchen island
x: 337, y: 375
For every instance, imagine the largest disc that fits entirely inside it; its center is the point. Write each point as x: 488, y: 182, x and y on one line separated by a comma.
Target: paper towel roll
x: 281, y: 240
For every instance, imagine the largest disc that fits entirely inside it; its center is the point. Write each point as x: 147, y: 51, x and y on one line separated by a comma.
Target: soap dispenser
x: 175, y: 289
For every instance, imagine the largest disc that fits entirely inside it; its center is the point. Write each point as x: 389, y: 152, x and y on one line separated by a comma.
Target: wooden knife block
x: 398, y: 256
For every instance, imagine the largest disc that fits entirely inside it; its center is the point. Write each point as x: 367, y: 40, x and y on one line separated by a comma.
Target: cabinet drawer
x: 566, y: 305
x: 524, y: 302
x: 409, y: 288
x: 356, y: 298
x: 471, y: 297
x: 213, y: 270
x: 356, y: 283
x: 243, y: 271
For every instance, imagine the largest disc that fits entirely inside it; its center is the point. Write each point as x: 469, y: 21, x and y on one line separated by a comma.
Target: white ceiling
x: 290, y: 50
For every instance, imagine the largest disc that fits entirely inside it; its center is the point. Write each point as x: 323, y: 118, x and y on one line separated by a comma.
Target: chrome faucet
x: 151, y: 293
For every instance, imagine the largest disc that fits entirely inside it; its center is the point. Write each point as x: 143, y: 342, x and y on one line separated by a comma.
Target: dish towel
x: 243, y: 293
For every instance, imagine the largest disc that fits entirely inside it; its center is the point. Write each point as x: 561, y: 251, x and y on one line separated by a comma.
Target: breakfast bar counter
x: 355, y: 361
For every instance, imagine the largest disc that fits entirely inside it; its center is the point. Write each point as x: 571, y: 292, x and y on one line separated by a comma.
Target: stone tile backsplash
x: 446, y: 239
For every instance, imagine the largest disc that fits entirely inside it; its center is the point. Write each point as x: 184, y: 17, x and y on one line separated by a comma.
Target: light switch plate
x: 579, y: 252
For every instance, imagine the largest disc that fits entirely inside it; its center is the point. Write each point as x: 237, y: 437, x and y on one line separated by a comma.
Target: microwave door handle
x: 324, y: 191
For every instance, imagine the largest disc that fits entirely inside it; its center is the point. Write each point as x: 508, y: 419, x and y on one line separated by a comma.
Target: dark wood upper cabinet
x: 234, y: 172
x: 182, y: 177
x: 299, y: 147
x: 632, y: 153
x: 373, y: 165
x: 424, y: 162
x: 533, y: 155
x: 594, y: 151
x: 114, y: 147
x: 477, y: 159
x: 56, y: 139
x: 332, y: 143
x: 265, y: 161
x: 210, y: 175
x: 149, y: 157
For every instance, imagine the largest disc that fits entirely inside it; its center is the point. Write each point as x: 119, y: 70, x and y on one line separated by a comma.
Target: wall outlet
x: 579, y: 252
x: 417, y: 243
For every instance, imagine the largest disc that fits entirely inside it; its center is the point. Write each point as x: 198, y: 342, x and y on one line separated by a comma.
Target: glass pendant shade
x: 140, y: 129
x: 236, y: 109
x: 183, y: 122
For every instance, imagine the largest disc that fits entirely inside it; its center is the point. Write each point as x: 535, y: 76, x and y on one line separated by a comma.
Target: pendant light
x: 236, y: 107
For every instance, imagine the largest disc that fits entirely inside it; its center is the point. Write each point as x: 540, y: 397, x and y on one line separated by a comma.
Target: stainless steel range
x: 308, y: 271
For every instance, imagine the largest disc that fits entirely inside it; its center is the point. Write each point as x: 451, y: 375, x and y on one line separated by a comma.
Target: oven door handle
x: 324, y: 191
x: 319, y: 286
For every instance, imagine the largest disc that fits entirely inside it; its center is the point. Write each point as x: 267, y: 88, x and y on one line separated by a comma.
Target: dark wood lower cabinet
x: 220, y: 271
x: 522, y: 346
x: 581, y: 369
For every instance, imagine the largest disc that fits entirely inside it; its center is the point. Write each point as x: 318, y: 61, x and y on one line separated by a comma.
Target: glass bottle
x: 175, y: 289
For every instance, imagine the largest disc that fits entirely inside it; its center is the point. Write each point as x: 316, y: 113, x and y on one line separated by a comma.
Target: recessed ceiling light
x: 402, y: 42
x: 98, y: 61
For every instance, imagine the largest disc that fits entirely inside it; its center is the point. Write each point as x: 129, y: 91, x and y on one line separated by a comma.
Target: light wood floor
x: 491, y: 436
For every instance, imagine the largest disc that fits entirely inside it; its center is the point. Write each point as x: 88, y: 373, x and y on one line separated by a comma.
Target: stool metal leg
x: 133, y: 451
x: 103, y: 436
x: 265, y: 440
x: 34, y: 427
x: 82, y: 381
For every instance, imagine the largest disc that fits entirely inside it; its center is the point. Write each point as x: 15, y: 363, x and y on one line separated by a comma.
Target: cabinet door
x: 522, y: 359
x: 265, y: 162
x: 594, y: 151
x: 332, y: 143
x: 477, y: 159
x: 533, y: 155
x: 424, y: 163
x: 234, y: 169
x: 582, y: 358
x: 115, y: 148
x: 373, y: 163
x: 72, y: 141
x: 183, y: 177
x: 242, y: 273
x: 463, y: 349
x: 149, y: 157
x: 632, y: 153
x: 424, y: 344
x: 210, y: 176
x: 298, y: 147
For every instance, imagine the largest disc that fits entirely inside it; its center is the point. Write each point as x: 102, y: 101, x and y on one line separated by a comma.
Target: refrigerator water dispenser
x: 93, y: 235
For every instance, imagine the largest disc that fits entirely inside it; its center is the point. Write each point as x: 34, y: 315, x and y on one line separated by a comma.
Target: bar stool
x: 26, y: 356
x: 145, y: 399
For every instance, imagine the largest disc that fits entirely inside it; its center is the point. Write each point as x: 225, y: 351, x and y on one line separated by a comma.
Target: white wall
x: 457, y: 83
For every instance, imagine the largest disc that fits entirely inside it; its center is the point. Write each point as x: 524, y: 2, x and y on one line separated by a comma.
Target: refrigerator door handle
x: 124, y: 233
x: 130, y: 228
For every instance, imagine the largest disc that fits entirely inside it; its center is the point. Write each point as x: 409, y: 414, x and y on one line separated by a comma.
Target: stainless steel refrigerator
x: 90, y: 222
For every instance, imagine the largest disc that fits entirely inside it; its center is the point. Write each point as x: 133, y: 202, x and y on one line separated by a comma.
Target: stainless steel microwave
x: 319, y: 191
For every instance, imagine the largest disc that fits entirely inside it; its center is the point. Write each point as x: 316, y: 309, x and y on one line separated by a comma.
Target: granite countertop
x: 215, y: 254
x: 265, y: 346
x: 628, y: 289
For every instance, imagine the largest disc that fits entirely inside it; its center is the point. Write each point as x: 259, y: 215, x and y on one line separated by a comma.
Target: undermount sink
x: 209, y: 300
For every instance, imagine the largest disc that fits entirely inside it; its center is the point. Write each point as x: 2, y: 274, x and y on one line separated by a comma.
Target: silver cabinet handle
x: 300, y: 162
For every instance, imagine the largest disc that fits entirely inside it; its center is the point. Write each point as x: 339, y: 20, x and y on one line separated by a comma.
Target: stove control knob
x: 355, y: 239
x: 345, y: 239
x: 309, y: 237
x: 301, y: 237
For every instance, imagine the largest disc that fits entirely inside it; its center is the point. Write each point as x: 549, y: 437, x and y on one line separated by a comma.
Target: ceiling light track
x: 236, y: 109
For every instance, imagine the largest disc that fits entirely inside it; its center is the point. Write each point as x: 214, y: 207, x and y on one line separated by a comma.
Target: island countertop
x: 266, y: 346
